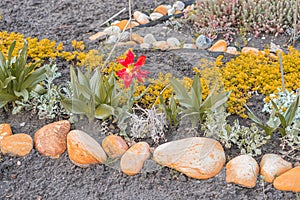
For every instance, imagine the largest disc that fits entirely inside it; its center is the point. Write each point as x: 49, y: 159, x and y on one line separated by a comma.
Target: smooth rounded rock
x: 155, y: 16
x: 83, y: 150
x: 203, y: 42
x: 51, y: 140
x: 123, y: 23
x: 149, y: 39
x: 162, y: 9
x: 288, y: 181
x: 112, y: 30
x: 219, y: 46
x: 272, y: 166
x: 133, y: 160
x: 251, y: 50
x: 140, y: 17
x: 189, y: 46
x: 137, y: 38
x: 5, y: 130
x: 99, y: 35
x: 114, y: 146
x: 242, y: 170
x: 145, y: 46
x: 178, y: 5
x: 196, y: 157
x: 161, y: 45
x: 232, y: 50
x: 18, y: 144
x: 127, y: 44
x: 173, y: 42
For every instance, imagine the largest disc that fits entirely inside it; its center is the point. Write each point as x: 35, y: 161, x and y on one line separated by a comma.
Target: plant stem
x: 281, y: 71
x: 130, y: 27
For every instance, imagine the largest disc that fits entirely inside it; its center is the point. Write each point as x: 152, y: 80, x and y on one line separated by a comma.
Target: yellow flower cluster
x: 260, y: 73
x: 45, y: 48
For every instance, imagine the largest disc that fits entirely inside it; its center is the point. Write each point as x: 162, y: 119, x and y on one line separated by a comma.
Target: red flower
x: 132, y: 70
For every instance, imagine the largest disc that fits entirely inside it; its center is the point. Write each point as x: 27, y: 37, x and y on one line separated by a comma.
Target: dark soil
x: 39, y: 177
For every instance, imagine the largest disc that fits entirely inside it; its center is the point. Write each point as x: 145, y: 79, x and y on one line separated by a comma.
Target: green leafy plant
x: 44, y: 100
x: 277, y: 120
x: 191, y: 103
x: 247, y: 139
x: 94, y: 95
x: 171, y: 110
x: 17, y: 79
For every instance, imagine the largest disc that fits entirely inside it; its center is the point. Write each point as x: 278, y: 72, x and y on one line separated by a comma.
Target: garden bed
x: 38, y: 177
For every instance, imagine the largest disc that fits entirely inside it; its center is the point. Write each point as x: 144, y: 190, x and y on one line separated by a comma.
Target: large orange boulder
x: 51, y: 140
x: 196, y: 157
x: 134, y: 158
x: 219, y: 46
x: 83, y: 150
x: 18, y: 144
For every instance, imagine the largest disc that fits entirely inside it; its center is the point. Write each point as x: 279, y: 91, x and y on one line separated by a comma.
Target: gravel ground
x: 38, y: 177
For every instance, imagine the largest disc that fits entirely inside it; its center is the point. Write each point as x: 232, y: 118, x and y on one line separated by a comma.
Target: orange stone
x: 137, y: 38
x: 100, y: 35
x: 251, y: 50
x: 272, y: 165
x: 114, y: 146
x: 127, y: 44
x: 122, y: 24
x: 133, y: 160
x: 219, y: 46
x: 288, y: 181
x: 51, y: 140
x: 5, y: 130
x: 162, y: 9
x: 242, y: 170
x: 83, y: 150
x: 196, y: 157
x: 161, y: 45
x: 18, y: 144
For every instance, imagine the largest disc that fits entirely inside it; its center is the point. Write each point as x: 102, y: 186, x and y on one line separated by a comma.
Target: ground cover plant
x: 122, y: 97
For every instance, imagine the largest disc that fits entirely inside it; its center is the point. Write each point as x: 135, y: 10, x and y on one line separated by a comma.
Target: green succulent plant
x: 17, y: 79
x: 93, y: 95
x: 191, y: 102
x: 277, y: 120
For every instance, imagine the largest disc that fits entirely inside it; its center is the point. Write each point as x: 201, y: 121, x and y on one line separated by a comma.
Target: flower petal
x: 121, y: 73
x: 128, y: 60
x: 127, y: 80
x: 140, y: 61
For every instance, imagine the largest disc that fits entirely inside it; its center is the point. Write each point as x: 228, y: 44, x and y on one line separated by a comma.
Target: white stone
x: 112, y: 30
x: 173, y: 42
x: 179, y: 5
x: 203, y: 42
x: 145, y: 46
x: 149, y: 39
x: 189, y: 46
x: 155, y: 16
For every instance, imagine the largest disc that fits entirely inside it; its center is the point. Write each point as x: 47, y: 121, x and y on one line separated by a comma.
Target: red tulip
x: 132, y: 70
